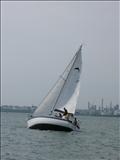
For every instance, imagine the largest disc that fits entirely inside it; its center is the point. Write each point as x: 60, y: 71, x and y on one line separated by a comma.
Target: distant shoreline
x: 29, y: 110
x: 17, y: 111
x: 20, y: 109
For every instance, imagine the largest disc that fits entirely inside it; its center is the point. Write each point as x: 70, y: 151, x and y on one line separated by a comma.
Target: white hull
x: 50, y: 123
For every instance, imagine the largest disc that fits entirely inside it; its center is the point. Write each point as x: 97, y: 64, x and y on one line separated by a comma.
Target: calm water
x: 97, y: 140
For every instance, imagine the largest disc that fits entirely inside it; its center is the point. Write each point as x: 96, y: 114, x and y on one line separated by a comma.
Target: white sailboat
x: 56, y: 111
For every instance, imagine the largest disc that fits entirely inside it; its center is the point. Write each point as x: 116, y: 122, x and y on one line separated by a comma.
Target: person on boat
x: 65, y: 112
x: 60, y: 115
x: 76, y: 123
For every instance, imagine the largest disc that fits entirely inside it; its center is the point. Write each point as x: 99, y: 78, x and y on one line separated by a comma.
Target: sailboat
x: 57, y: 109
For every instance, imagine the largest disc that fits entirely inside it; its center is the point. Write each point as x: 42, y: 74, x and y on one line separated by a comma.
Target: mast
x: 76, y: 55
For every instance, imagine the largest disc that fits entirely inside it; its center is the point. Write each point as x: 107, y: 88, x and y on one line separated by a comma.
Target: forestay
x: 66, y: 90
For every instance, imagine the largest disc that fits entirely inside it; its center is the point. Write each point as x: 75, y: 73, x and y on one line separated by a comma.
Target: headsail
x: 66, y: 90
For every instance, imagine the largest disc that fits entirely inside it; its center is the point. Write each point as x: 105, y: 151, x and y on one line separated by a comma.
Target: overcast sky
x: 40, y: 38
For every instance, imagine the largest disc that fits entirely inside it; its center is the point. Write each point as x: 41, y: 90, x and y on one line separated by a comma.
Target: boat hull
x: 50, y: 123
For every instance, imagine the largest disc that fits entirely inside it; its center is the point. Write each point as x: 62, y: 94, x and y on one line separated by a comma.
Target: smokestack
x: 102, y: 105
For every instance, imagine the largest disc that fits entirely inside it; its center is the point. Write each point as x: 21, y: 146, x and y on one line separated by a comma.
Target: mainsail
x: 66, y: 90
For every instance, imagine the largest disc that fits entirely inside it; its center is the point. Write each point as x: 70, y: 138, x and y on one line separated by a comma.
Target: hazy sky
x: 40, y: 38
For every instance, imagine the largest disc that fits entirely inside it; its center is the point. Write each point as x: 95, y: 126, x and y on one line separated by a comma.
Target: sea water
x: 98, y: 139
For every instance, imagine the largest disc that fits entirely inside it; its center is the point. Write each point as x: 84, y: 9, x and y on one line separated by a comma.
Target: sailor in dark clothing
x: 65, y: 112
x: 76, y: 123
x: 60, y: 115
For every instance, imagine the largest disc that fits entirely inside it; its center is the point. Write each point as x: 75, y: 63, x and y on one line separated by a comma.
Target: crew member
x: 65, y: 112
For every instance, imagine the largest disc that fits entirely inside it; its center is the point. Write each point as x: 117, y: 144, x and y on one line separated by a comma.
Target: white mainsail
x: 66, y: 90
